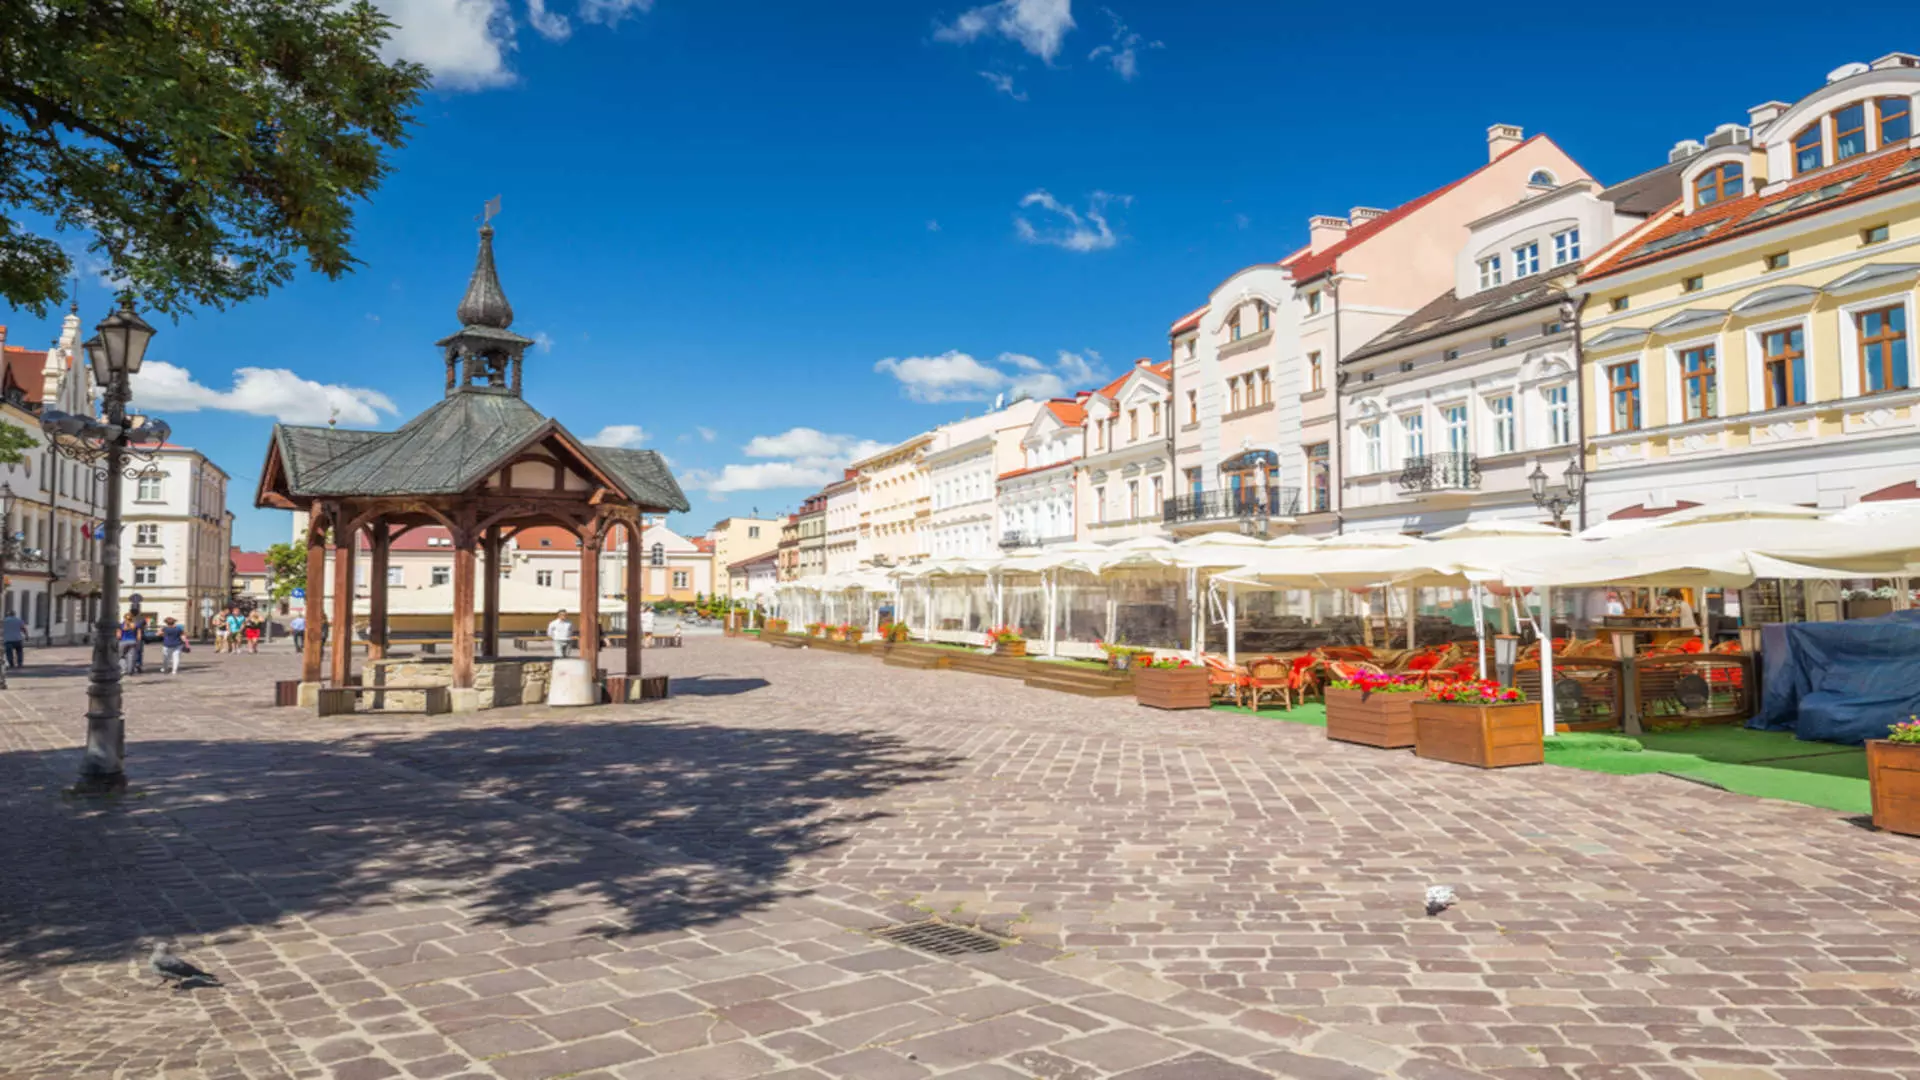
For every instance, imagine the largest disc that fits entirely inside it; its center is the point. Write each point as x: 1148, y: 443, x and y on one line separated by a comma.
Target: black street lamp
x: 1556, y: 503
x: 7, y: 547
x: 104, y: 445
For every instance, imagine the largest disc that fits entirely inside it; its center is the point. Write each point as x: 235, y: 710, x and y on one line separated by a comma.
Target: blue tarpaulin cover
x: 1842, y: 682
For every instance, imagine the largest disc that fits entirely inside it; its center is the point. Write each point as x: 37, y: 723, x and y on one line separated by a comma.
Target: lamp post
x: 6, y: 548
x: 114, y: 353
x: 1556, y: 503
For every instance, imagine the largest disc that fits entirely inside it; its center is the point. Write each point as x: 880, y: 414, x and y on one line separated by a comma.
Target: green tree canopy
x: 15, y: 441
x: 200, y: 146
x: 286, y: 570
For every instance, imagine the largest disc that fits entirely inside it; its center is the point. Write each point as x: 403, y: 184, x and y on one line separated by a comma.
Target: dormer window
x: 1266, y: 314
x: 1850, y: 132
x: 1566, y: 247
x: 1808, y: 149
x: 1540, y: 178
x: 1526, y: 261
x: 1233, y: 327
x: 1727, y: 181
x: 1490, y: 271
x: 1313, y: 302
x: 1896, y: 119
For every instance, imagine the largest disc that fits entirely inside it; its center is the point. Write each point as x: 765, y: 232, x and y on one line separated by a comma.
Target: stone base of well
x: 497, y: 681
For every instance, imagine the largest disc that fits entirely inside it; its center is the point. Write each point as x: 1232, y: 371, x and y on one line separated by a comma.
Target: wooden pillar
x: 590, y: 600
x: 490, y: 595
x: 312, y: 661
x: 463, y: 560
x: 342, y: 632
x: 635, y: 568
x: 382, y: 536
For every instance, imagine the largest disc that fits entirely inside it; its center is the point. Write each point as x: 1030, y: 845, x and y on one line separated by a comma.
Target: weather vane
x: 488, y: 211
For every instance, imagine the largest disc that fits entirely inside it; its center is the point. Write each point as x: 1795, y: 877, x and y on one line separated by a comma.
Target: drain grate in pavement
x: 941, y: 939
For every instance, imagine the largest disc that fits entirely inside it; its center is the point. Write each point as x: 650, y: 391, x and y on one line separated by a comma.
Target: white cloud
x: 1075, y: 230
x: 1036, y: 25
x: 1122, y: 53
x: 1004, y: 84
x: 798, y: 457
x: 812, y: 447
x: 610, y: 12
x: 956, y: 376
x: 467, y: 43
x: 463, y: 42
x: 543, y: 341
x: 623, y: 436
x: 706, y: 434
x: 1241, y: 221
x: 549, y: 25
x: 161, y: 387
x: 766, y: 475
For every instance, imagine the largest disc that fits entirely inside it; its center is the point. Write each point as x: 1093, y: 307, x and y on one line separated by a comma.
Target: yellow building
x: 737, y: 539
x: 1755, y: 339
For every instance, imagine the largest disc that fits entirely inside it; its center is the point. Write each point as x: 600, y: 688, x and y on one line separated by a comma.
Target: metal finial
x: 485, y: 303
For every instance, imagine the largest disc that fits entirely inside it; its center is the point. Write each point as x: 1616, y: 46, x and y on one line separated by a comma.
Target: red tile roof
x: 1311, y: 266
x: 25, y: 369
x: 1034, y: 469
x: 416, y: 539
x: 1187, y: 321
x: 247, y: 562
x: 1868, y: 177
x: 1164, y: 369
x: 702, y: 545
x: 1071, y: 413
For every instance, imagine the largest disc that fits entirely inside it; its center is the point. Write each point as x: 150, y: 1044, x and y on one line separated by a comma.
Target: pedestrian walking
x: 15, y: 636
x: 560, y: 632
x: 255, y: 622
x: 646, y: 626
x: 140, y: 624
x: 129, y: 641
x: 173, y: 638
x: 299, y: 625
x: 220, y: 633
x: 236, y: 627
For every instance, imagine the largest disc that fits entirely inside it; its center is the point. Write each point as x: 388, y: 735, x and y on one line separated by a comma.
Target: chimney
x: 1766, y: 112
x: 1896, y: 60
x: 1324, y: 231
x: 1684, y: 149
x: 1360, y: 215
x: 1143, y: 362
x: 1502, y: 138
x: 1728, y: 135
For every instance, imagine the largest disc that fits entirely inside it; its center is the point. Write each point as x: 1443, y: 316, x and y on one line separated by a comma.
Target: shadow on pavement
x: 710, y: 686
x: 216, y: 834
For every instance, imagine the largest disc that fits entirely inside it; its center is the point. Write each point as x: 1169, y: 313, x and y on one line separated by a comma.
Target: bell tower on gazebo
x: 484, y: 355
x: 480, y: 463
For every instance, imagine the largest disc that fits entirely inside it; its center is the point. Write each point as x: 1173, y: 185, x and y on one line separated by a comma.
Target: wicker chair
x: 1268, y: 676
x: 1224, y: 679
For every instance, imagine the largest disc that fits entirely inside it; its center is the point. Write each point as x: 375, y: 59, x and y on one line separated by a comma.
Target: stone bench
x: 340, y: 700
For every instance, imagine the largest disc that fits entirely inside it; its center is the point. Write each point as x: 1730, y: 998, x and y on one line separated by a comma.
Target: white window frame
x: 1757, y: 361
x: 159, y: 489
x: 1676, y: 409
x: 1413, y: 435
x: 1464, y: 427
x: 1371, y: 447
x: 1502, y: 434
x: 396, y: 575
x: 146, y: 573
x: 441, y: 575
x: 1526, y: 260
x: 1547, y: 407
x: 146, y: 532
x: 1850, y: 386
x: 1566, y: 246
x: 1490, y: 271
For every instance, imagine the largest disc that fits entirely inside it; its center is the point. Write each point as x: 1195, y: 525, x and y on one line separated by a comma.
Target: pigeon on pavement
x: 170, y: 967
x: 1439, y: 898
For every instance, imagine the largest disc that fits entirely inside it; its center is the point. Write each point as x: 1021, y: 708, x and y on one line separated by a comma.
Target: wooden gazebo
x: 483, y: 464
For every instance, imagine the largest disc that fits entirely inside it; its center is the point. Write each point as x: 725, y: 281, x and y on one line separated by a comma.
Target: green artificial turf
x: 1313, y: 714
x: 1767, y: 764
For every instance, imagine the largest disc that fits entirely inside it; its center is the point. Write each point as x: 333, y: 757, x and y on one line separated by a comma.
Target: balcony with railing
x: 1024, y: 538
x: 1453, y: 471
x: 1229, y: 504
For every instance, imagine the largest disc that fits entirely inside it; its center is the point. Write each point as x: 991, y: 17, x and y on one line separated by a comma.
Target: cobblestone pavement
x: 684, y: 890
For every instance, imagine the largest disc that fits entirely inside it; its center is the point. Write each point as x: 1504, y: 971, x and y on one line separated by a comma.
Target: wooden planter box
x: 1893, y: 775
x: 1486, y: 736
x: 1172, y: 688
x: 1009, y: 648
x: 1383, y: 720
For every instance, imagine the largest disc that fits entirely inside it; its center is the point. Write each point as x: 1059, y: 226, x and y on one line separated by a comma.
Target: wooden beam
x: 590, y: 601
x: 377, y: 590
x: 463, y: 560
x: 342, y: 632
x: 635, y: 663
x: 490, y: 595
x: 312, y: 662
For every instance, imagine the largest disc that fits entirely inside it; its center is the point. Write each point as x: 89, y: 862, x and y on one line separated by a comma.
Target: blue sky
x: 724, y: 218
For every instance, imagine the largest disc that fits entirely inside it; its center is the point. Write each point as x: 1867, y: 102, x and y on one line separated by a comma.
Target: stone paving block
x: 981, y: 1041
x: 733, y: 1061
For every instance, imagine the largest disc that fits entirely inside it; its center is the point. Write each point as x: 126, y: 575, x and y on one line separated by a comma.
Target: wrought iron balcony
x: 1440, y: 472
x: 1227, y: 504
x: 1019, y: 538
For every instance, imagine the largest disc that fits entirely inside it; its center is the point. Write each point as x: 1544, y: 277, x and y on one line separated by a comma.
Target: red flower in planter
x: 1475, y: 692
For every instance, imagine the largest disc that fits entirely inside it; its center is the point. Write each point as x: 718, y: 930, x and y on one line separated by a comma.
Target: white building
x: 1447, y: 413
x: 54, y: 582
x: 963, y: 462
x: 894, y: 503
x: 178, y: 531
x: 1037, y: 500
x: 843, y: 524
x: 1126, y: 464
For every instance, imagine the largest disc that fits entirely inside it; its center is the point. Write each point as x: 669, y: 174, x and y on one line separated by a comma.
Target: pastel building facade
x: 895, y: 502
x: 1038, y: 500
x: 963, y: 461
x: 178, y: 532
x: 842, y: 523
x: 1126, y: 460
x: 812, y: 534
x: 1757, y: 339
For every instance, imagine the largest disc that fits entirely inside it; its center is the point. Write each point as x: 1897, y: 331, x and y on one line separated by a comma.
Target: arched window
x: 1809, y: 153
x: 658, y: 555
x: 1720, y: 182
x: 1896, y: 119
x: 1850, y: 131
x: 1541, y: 178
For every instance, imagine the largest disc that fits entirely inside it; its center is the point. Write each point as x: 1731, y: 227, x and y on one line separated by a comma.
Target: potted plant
x: 1007, y: 641
x: 851, y: 633
x: 816, y: 629
x: 1480, y: 723
x: 773, y: 626
x: 1893, y: 777
x: 1172, y: 683
x: 1373, y: 710
x: 1120, y: 656
x: 894, y: 633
